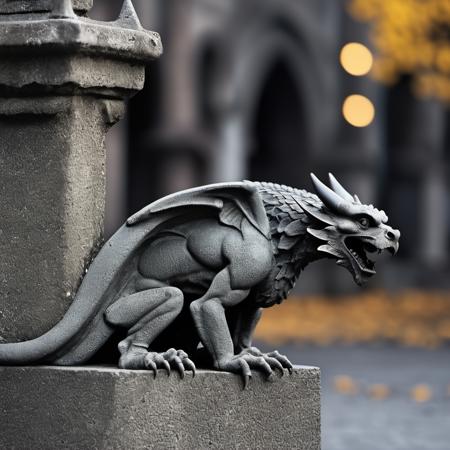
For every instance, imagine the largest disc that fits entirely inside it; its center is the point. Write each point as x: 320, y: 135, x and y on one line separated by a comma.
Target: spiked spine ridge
x: 292, y: 248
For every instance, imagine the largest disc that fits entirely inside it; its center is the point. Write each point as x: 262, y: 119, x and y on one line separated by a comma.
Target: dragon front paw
x: 171, y: 359
x: 275, y: 359
x: 252, y: 358
x: 139, y: 358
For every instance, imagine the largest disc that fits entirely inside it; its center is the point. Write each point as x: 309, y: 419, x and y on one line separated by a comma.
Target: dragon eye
x: 364, y: 222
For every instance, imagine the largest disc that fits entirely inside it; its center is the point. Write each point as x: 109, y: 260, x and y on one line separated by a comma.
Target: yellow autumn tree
x: 410, y: 37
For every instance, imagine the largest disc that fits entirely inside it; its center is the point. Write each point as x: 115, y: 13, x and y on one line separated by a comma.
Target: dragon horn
x: 329, y: 197
x: 338, y: 188
x: 128, y: 17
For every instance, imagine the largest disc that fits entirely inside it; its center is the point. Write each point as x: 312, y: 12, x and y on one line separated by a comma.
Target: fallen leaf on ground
x: 379, y: 391
x: 421, y: 393
x: 345, y: 385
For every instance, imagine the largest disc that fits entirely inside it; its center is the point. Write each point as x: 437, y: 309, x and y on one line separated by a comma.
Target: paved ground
x: 402, y: 417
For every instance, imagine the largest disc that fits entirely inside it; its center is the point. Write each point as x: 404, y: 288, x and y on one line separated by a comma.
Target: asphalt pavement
x: 381, y: 397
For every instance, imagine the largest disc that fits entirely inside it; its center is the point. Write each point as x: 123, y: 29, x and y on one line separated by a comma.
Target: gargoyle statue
x: 194, y: 269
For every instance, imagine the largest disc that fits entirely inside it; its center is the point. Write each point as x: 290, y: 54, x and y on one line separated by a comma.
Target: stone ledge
x: 108, y: 408
x: 56, y: 36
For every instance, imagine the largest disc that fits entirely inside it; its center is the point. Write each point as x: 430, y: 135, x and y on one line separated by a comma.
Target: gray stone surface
x: 21, y: 6
x: 119, y: 40
x: 64, y: 75
x: 63, y: 83
x: 52, y: 190
x: 103, y: 408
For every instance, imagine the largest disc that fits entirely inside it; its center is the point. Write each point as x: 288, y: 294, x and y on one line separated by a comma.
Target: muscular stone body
x: 212, y: 268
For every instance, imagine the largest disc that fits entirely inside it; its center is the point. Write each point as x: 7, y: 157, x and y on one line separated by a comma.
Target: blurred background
x: 274, y: 89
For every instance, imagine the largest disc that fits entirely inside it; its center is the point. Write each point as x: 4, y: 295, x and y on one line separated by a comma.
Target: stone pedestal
x: 104, y: 408
x: 63, y: 82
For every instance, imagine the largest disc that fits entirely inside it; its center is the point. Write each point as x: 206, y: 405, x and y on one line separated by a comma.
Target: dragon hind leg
x: 146, y: 314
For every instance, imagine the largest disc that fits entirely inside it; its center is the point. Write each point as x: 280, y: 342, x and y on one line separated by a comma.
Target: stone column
x: 63, y: 82
x: 177, y: 141
x: 422, y: 156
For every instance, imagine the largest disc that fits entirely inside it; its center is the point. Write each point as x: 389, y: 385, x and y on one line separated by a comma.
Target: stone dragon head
x: 349, y: 230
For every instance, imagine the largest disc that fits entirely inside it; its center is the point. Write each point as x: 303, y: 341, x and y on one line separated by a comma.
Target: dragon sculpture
x: 193, y: 271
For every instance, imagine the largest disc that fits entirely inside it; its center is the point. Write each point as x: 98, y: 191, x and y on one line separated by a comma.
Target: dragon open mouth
x: 358, y: 251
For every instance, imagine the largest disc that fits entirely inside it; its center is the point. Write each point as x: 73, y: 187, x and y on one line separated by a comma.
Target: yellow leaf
x: 421, y: 393
x: 379, y: 391
x: 345, y: 385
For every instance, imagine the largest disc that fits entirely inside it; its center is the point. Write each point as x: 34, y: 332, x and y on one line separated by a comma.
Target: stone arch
x: 268, y: 49
x: 276, y: 45
x: 280, y: 146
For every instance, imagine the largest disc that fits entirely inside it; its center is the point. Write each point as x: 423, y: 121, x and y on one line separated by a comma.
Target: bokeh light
x: 356, y: 59
x: 358, y: 110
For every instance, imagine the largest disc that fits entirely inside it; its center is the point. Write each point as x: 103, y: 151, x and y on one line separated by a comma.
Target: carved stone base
x: 107, y: 408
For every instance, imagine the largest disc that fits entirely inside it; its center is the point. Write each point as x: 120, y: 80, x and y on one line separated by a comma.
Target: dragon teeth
x: 359, y: 259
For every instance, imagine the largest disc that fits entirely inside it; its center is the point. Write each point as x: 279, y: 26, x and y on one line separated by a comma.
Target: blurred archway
x: 280, y: 140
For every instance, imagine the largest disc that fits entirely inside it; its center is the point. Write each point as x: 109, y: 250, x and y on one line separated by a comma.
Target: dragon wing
x: 233, y: 201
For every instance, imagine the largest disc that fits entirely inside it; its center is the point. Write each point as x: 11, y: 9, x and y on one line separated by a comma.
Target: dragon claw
x: 252, y: 358
x: 179, y: 365
x: 246, y: 380
x: 149, y: 364
x: 283, y: 360
x: 246, y: 372
x: 274, y: 364
x: 189, y: 365
x: 166, y: 366
x: 179, y: 360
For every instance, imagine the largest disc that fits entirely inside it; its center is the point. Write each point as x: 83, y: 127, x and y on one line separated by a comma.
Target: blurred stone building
x: 254, y: 89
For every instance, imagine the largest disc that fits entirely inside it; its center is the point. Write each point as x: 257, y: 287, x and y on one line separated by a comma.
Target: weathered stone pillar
x: 63, y: 82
